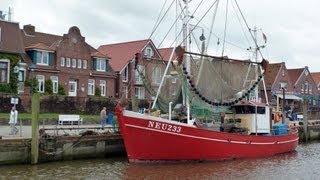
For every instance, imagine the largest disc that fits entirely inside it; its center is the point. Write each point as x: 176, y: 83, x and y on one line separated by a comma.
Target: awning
x: 289, y: 96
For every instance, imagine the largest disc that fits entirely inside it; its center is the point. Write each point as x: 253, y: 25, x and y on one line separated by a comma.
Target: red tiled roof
x: 273, y: 70
x: 38, y: 37
x: 11, y: 40
x: 166, y: 53
x: 121, y: 53
x: 294, y: 74
x: 40, y: 46
x: 316, y: 77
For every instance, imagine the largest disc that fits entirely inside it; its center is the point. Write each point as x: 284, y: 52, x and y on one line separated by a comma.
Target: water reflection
x: 304, y: 163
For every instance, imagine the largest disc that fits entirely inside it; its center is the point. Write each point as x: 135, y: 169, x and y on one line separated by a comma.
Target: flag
x: 264, y: 38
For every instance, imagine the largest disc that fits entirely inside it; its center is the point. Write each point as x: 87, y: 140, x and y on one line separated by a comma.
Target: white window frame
x: 84, y: 64
x: 74, y: 63
x: 139, y: 92
x: 138, y: 77
x: 148, y: 52
x: 8, y: 69
x: 310, y: 88
x: 68, y: 63
x: 41, y: 80
x: 101, y: 64
x: 125, y: 74
x: 103, y: 87
x: 124, y: 91
x: 55, y: 84
x: 156, y: 75
x: 62, y: 61
x: 42, y: 58
x: 91, y: 87
x: 79, y: 63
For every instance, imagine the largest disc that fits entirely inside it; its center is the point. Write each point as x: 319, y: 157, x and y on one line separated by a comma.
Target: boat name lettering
x: 164, y: 126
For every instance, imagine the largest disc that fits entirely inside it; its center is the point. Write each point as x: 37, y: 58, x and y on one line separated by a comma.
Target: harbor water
x: 304, y: 163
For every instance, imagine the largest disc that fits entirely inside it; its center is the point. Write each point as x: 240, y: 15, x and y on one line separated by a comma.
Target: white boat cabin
x: 253, y: 116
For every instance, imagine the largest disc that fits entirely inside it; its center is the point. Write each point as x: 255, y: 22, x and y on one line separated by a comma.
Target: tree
x: 61, y: 90
x: 97, y: 92
x: 48, y: 87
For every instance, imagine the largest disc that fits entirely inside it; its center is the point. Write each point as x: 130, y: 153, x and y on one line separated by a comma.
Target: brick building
x: 68, y: 61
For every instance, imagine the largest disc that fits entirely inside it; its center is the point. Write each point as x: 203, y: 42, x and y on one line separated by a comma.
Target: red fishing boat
x: 220, y: 114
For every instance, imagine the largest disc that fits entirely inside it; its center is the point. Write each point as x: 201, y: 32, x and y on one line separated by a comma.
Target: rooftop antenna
x: 10, y: 14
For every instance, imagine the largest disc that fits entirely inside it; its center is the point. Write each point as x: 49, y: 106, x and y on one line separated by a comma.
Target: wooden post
x: 305, y: 119
x: 283, y: 104
x: 35, y: 105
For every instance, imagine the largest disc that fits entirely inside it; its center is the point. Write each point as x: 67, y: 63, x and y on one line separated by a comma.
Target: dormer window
x: 101, y: 64
x: 42, y: 58
x: 148, y: 52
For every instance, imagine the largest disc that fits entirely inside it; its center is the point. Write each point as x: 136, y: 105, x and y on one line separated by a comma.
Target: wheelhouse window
x: 55, y: 84
x: 62, y: 61
x: 249, y: 110
x: 103, y: 87
x: 42, y: 58
x: 40, y: 79
x: 91, y: 87
x: 4, y: 75
x: 125, y: 74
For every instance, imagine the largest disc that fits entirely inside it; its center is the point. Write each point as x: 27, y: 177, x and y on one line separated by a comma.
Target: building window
x: 40, y: 79
x: 124, y: 91
x: 283, y: 85
x: 91, y: 87
x: 283, y: 72
x: 103, y: 87
x: 21, y: 75
x: 101, y: 64
x: 125, y: 74
x: 62, y: 61
x: 68, y: 62
x: 84, y: 64
x: 156, y: 75
x: 4, y: 75
x: 79, y: 64
x: 310, y: 88
x: 138, y: 71
x: 42, y: 58
x: 306, y: 87
x: 302, y: 88
x: 55, y: 84
x: 139, y: 92
x: 74, y: 63
x: 148, y: 52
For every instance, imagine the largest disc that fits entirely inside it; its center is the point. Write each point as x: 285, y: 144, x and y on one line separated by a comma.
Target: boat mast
x: 186, y: 33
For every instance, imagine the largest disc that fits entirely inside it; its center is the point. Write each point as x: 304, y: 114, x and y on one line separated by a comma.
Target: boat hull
x: 149, y: 138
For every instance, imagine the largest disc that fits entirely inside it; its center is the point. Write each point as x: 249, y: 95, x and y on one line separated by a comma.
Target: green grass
x: 46, y: 116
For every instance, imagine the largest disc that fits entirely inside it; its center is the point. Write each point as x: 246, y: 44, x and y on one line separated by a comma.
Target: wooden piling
x: 35, y: 107
x: 305, y: 120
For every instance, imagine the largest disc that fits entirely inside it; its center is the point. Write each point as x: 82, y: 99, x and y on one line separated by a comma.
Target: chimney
x: 29, y: 29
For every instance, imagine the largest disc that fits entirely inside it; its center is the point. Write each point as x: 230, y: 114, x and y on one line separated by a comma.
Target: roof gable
x: 11, y: 40
x: 121, y: 53
x: 316, y: 77
x: 166, y: 53
x: 294, y: 74
x: 273, y: 71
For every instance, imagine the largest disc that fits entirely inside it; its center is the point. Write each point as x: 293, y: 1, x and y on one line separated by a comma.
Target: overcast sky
x: 292, y: 27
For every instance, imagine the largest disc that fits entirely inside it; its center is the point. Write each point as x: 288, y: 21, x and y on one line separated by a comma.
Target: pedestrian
x: 103, y: 117
x: 13, y: 121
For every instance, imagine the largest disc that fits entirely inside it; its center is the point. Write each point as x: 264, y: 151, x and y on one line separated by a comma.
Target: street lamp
x: 31, y: 68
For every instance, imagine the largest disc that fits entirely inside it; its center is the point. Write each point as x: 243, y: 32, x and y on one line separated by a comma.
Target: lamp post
x: 31, y: 68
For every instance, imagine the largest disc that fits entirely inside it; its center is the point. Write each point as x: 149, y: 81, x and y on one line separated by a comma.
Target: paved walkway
x: 25, y: 131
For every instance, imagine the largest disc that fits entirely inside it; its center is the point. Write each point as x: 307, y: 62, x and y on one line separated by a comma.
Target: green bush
x: 48, y: 87
x: 97, y: 92
x: 61, y: 90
